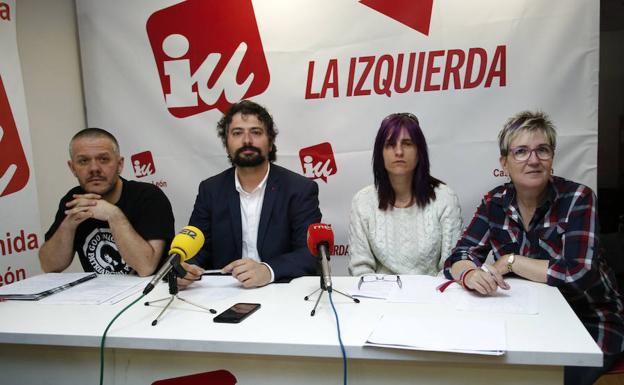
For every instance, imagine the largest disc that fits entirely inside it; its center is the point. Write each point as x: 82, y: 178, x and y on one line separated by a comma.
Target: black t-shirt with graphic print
x: 149, y: 212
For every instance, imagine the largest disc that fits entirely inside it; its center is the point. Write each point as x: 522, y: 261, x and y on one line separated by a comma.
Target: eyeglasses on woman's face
x: 523, y: 153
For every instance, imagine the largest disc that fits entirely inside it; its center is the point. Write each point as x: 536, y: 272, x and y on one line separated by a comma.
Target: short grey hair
x: 94, y: 132
x: 526, y: 121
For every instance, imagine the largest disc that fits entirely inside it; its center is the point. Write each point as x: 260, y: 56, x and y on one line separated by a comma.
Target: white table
x: 279, y: 344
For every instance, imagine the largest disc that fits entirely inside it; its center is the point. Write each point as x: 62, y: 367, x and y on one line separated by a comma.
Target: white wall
x: 48, y: 46
x: 47, y: 41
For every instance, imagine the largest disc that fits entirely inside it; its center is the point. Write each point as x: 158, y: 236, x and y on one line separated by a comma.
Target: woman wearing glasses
x: 408, y: 220
x: 543, y: 228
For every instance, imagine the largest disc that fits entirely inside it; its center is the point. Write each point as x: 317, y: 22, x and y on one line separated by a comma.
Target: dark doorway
x: 611, y: 134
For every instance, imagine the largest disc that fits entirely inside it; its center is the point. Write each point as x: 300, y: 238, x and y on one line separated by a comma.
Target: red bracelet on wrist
x: 464, y: 274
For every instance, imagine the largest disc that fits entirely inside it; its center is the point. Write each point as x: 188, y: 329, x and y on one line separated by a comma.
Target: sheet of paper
x: 521, y: 298
x: 212, y: 288
x: 439, y: 334
x: 375, y: 289
x: 414, y: 288
x: 419, y: 289
x: 105, y: 289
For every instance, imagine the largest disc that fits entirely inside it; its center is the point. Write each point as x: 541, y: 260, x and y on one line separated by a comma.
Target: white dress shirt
x: 251, y: 208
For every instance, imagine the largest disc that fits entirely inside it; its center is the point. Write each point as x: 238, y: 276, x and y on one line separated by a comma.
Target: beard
x: 241, y: 160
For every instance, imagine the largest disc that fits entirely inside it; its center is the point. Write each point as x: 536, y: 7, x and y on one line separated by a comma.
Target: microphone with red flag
x: 320, y: 242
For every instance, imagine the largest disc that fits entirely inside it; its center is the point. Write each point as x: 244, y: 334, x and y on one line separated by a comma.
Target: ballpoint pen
x: 504, y: 285
x: 215, y: 272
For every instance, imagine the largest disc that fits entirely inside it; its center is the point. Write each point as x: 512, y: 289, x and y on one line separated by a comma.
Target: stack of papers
x: 106, y: 289
x: 40, y: 286
x: 441, y: 335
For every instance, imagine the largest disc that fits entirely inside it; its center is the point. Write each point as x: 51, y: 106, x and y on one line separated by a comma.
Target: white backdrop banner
x: 159, y: 74
x: 19, y: 219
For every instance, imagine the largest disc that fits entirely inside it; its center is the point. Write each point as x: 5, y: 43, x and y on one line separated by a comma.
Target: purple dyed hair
x: 423, y: 184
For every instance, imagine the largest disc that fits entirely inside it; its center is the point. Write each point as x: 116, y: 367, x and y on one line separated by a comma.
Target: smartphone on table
x: 237, y: 313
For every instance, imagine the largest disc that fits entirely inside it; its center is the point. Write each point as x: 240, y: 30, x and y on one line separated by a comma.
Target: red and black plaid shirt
x: 564, y: 231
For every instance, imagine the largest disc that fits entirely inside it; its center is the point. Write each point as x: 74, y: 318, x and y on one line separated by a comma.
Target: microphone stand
x: 173, y: 290
x: 323, y: 289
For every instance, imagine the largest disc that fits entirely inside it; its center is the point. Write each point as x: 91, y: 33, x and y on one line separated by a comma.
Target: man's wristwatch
x: 510, y: 260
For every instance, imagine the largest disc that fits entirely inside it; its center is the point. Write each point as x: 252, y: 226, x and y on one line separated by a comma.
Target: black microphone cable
x: 342, y: 348
x: 104, y: 336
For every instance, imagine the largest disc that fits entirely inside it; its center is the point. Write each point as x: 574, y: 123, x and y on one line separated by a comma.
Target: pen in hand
x: 500, y: 281
x: 215, y: 272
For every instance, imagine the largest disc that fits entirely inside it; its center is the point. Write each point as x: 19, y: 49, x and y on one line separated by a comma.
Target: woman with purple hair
x: 408, y: 221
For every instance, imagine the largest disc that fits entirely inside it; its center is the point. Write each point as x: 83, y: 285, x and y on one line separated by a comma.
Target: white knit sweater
x: 410, y: 240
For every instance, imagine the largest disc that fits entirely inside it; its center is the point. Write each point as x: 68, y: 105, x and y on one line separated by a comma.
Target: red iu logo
x: 143, y: 164
x: 318, y: 161
x: 416, y: 14
x: 14, y: 170
x: 208, y: 54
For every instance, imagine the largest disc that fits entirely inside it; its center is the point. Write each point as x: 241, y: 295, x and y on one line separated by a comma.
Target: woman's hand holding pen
x: 485, y: 280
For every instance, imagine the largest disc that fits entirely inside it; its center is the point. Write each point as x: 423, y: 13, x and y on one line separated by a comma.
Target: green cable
x: 104, y: 337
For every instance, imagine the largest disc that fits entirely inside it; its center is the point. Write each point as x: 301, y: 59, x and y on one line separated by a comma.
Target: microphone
x: 320, y: 242
x: 184, y: 246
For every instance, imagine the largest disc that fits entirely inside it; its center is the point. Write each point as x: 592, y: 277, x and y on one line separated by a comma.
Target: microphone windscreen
x: 319, y: 233
x: 187, y: 242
